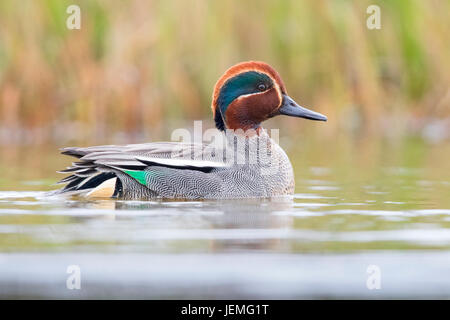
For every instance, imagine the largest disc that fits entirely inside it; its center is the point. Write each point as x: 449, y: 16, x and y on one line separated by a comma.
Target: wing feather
x: 96, y: 164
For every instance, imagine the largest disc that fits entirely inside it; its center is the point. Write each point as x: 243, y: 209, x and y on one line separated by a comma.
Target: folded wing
x: 163, y: 169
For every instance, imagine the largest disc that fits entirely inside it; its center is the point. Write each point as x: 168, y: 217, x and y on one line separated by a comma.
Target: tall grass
x: 142, y: 66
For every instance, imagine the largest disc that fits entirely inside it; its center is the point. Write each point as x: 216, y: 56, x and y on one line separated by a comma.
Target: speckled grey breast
x: 235, y: 167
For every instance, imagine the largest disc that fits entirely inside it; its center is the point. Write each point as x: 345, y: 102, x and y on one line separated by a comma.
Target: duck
x: 243, y: 162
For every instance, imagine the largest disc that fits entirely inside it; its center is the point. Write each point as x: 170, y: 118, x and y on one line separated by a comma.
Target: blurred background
x: 138, y: 69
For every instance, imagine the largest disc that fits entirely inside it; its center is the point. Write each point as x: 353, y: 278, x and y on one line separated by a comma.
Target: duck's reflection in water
x: 225, y: 224
x: 253, y: 224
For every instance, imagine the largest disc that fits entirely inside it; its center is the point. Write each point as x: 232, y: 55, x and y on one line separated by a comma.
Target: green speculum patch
x: 139, y: 176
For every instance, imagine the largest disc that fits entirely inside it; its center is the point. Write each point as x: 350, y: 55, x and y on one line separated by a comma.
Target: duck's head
x: 251, y: 92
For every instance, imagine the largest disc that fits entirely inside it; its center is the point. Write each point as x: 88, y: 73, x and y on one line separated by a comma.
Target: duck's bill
x: 291, y: 108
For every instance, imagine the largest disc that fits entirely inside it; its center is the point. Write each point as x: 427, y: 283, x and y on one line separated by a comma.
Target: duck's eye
x: 262, y: 87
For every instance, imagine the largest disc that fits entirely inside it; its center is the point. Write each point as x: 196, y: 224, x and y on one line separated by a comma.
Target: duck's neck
x: 247, y: 132
x: 256, y: 136
x: 236, y: 122
x: 244, y: 149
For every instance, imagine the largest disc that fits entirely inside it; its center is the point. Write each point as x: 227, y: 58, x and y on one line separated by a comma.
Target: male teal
x: 247, y: 163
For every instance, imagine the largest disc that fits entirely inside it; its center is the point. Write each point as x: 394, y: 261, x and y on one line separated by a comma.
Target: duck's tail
x: 89, y: 178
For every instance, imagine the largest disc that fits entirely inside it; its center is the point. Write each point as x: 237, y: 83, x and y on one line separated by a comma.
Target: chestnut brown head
x: 250, y: 93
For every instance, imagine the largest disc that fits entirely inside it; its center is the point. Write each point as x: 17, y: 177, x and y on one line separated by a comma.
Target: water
x: 357, y: 204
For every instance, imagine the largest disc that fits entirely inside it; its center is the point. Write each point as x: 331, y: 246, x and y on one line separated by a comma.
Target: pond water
x: 362, y: 209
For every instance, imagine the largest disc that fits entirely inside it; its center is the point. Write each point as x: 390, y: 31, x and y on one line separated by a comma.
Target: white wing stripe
x: 184, y: 162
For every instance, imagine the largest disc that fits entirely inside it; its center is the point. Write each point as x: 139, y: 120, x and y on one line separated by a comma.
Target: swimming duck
x: 245, y: 163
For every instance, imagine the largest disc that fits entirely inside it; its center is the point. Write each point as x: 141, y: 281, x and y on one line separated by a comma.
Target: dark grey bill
x: 291, y: 108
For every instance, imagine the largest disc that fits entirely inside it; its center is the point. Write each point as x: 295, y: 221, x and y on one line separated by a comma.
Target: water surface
x: 357, y: 203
